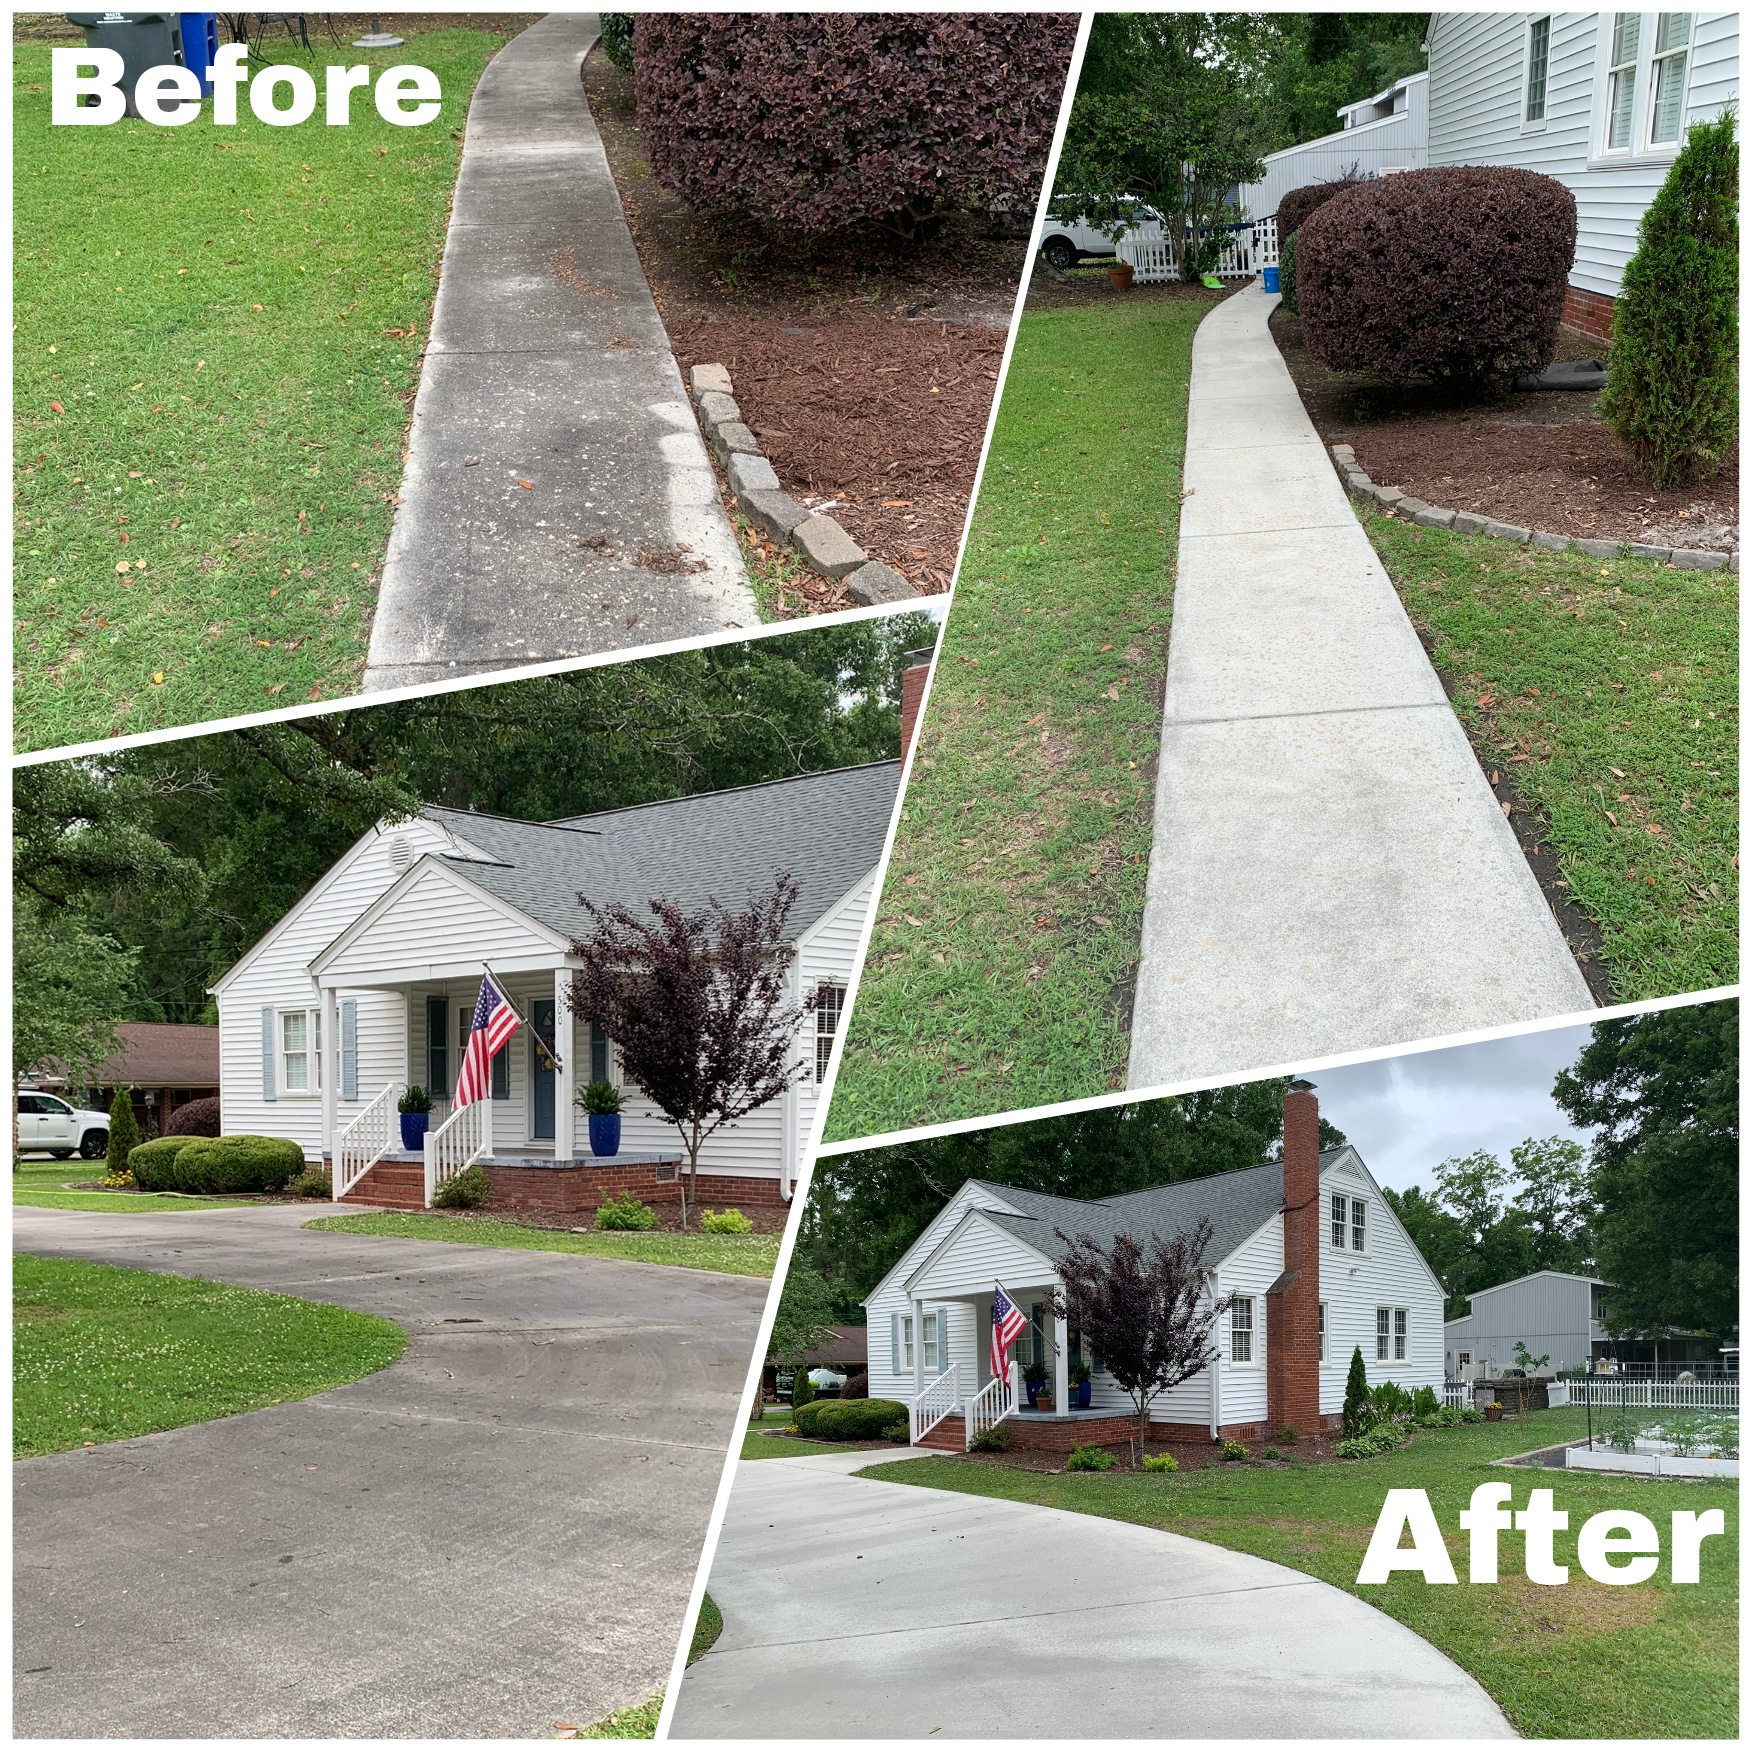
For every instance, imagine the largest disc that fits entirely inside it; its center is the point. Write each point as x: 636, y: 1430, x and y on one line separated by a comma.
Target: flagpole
x: 534, y: 1033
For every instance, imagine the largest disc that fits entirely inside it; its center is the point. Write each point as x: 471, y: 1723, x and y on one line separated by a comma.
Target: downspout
x: 1216, y: 1375
x: 789, y: 1151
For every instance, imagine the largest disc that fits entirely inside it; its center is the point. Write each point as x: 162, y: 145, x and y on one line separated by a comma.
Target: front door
x: 541, y: 1069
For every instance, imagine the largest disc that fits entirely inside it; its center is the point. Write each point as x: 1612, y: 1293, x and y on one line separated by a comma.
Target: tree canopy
x: 177, y: 857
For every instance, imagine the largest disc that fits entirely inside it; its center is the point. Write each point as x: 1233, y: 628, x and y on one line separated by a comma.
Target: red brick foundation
x: 1588, y: 314
x: 581, y: 1188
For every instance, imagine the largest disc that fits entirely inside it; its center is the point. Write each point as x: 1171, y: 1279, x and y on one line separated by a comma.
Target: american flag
x: 494, y: 1023
x: 1008, y: 1325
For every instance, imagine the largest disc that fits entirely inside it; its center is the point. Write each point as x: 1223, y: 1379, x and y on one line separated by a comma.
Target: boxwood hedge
x: 235, y: 1164
x: 849, y: 1420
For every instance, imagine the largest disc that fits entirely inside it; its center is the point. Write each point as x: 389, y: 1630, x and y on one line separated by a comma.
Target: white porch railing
x: 1246, y: 249
x: 991, y: 1404
x: 458, y: 1143
x: 363, y: 1141
x: 940, y: 1398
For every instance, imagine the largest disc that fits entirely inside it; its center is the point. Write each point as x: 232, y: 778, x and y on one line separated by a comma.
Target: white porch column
x: 1061, y: 1363
x: 565, y: 1036
x: 329, y: 1072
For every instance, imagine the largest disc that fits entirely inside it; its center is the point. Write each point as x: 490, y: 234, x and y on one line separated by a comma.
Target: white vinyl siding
x: 1373, y: 148
x: 828, y: 953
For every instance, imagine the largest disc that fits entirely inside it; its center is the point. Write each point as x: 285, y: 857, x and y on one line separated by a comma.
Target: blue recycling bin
x: 200, y: 45
x: 1270, y: 277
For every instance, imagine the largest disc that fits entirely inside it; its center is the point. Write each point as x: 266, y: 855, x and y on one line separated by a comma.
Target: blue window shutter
x: 502, y: 1073
x: 349, y: 1049
x: 894, y: 1341
x: 268, y: 1052
x: 598, y: 1055
x: 943, y: 1358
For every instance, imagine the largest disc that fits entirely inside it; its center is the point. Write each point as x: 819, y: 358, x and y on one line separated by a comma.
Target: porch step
x: 950, y: 1435
x: 391, y: 1185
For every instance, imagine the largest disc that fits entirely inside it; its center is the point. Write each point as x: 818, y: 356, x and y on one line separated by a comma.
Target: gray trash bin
x: 143, y: 40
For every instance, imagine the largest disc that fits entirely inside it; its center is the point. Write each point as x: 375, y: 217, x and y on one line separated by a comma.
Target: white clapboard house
x: 1599, y: 100
x: 1316, y: 1260
x: 369, y: 983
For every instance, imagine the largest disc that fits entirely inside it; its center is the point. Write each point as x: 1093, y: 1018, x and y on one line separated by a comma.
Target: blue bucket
x: 1270, y: 277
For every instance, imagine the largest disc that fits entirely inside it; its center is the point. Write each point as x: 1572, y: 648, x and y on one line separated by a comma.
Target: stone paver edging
x: 1404, y: 504
x: 823, y: 545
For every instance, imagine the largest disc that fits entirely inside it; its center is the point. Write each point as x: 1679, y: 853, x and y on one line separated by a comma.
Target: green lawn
x: 100, y: 1353
x: 637, y: 1723
x: 1608, y: 688
x: 741, y: 1255
x: 759, y: 1442
x: 44, y: 1184
x: 708, y: 1627
x: 217, y: 332
x: 1581, y: 1661
x: 1001, y: 962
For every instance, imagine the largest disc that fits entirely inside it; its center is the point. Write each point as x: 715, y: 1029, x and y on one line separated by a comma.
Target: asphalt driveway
x: 870, y: 1610
x: 494, y: 1535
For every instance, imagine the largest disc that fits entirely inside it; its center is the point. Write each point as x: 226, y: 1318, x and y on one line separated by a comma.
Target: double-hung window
x: 1621, y: 80
x: 1340, y: 1205
x: 1392, y: 1328
x: 1667, y: 77
x: 827, y: 1015
x: 501, y: 1059
x: 1400, y: 1324
x: 1349, y: 1224
x: 933, y: 1347
x: 1359, y: 1229
x: 906, y: 1344
x: 1538, y: 67
x: 301, y: 1051
x: 1241, y: 1330
x: 1323, y: 1332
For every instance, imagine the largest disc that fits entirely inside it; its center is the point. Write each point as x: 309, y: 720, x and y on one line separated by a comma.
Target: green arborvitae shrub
x: 1456, y: 273
x: 625, y: 1212
x: 237, y: 1164
x: 124, y: 1133
x: 1088, y: 1460
x: 1287, y: 271
x: 153, y: 1163
x: 1161, y: 1463
x: 617, y: 37
x: 802, y: 1388
x: 849, y: 1420
x: 1359, y: 1409
x: 731, y: 1222
x: 466, y: 1191
x: 312, y: 1183
x: 1672, y: 380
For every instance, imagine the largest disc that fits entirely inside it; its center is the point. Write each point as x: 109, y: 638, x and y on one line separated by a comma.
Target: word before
x: 1617, y: 1546
x: 168, y: 96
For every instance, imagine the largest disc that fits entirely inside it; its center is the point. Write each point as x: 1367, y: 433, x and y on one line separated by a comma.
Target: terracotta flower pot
x: 1121, y: 275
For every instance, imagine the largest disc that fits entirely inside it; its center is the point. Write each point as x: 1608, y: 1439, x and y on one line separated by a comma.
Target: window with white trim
x: 934, y: 1364
x: 828, y: 1007
x: 906, y: 1343
x: 1401, y: 1323
x: 1241, y: 1330
x: 301, y: 1051
x: 1340, y: 1205
x: 1538, y: 67
x: 1323, y: 1332
x: 1667, y: 77
x: 1383, y: 1333
x: 1621, y: 71
x: 1358, y: 1226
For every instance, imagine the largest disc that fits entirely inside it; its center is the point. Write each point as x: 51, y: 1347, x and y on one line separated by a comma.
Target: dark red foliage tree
x: 1146, y: 1310
x: 819, y: 120
x: 699, y: 1007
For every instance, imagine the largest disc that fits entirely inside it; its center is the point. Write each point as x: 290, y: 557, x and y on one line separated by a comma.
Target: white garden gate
x: 1246, y: 249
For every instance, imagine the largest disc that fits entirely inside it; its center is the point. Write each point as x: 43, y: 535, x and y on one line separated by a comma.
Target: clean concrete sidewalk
x: 859, y: 1609
x: 1330, y: 869
x: 496, y: 1534
x: 551, y: 413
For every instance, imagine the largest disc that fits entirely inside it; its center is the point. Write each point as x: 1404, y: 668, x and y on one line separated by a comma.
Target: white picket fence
x: 1246, y: 249
x: 1674, y: 1395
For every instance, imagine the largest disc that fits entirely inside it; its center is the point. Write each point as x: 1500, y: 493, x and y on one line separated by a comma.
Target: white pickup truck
x: 1067, y: 242
x: 46, y: 1122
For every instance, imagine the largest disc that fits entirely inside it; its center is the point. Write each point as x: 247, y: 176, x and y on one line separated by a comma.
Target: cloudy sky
x: 1406, y: 1114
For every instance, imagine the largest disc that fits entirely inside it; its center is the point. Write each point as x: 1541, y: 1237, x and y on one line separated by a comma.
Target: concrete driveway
x: 870, y: 1610
x: 496, y: 1534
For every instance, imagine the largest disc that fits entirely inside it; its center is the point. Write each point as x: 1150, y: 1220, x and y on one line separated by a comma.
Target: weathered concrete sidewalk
x: 557, y: 484
x: 861, y: 1609
x: 1330, y: 869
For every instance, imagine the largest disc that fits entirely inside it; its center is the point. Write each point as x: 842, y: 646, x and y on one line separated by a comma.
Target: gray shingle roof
x: 1238, y: 1204
x: 826, y: 829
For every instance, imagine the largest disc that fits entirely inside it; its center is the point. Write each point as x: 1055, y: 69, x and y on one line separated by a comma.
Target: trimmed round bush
x: 1294, y: 208
x: 1453, y: 273
x: 813, y: 121
x: 238, y: 1164
x: 849, y: 1420
x: 857, y: 1385
x: 1672, y: 381
x: 194, y: 1119
x: 152, y: 1163
x: 466, y: 1191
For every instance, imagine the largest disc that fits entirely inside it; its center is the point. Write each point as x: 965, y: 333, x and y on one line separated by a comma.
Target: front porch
x: 529, y: 1184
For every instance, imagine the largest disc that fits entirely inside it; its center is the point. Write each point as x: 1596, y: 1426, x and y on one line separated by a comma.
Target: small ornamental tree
x: 1672, y: 380
x: 124, y: 1133
x: 1359, y: 1408
x: 814, y: 121
x: 699, y: 1006
x: 1145, y: 1309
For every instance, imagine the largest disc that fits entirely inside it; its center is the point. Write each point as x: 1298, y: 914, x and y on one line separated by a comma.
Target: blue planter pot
x: 1033, y: 1393
x: 1270, y: 277
x: 605, y: 1134
x: 413, y: 1130
x: 1081, y: 1395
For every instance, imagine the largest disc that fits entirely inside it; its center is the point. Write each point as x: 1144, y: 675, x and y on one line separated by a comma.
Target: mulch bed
x: 1542, y: 460
x: 880, y: 422
x: 1194, y: 1456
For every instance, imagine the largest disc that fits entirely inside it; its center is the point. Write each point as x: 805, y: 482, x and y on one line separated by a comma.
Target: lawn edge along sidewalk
x: 1329, y: 868
x: 558, y: 500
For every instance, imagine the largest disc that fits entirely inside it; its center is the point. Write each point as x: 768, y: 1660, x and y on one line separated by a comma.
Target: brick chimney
x: 912, y: 691
x: 1292, y: 1304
